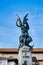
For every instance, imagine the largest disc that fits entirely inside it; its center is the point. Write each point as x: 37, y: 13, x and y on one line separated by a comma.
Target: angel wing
x: 18, y: 22
x: 25, y: 21
x: 25, y: 18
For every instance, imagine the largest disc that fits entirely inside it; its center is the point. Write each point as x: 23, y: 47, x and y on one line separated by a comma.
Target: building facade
x: 9, y: 56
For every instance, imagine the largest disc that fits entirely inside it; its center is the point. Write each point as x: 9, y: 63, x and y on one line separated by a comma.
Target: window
x: 3, y: 62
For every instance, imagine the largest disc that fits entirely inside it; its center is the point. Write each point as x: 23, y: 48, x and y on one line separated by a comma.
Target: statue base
x: 25, y: 56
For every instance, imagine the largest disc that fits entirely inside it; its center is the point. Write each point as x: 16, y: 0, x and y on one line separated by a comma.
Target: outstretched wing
x: 25, y: 23
x: 25, y: 18
x: 18, y: 22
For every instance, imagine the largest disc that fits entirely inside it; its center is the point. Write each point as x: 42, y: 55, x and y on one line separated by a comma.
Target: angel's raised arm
x: 18, y: 22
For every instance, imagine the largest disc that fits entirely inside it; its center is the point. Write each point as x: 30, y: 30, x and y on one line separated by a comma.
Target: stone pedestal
x: 24, y: 56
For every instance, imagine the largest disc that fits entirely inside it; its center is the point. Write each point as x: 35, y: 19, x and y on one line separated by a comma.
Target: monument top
x: 23, y: 25
x: 24, y: 38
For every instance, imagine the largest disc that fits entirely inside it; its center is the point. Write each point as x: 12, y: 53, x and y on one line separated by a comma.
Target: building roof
x: 15, y: 50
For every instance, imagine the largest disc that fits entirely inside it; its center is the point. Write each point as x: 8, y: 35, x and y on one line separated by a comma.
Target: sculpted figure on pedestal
x: 24, y: 38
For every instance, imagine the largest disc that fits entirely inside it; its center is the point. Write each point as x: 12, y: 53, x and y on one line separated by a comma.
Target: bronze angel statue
x: 23, y: 25
x: 25, y: 38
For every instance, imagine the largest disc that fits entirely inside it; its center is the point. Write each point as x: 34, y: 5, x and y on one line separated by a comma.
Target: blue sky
x: 9, y: 32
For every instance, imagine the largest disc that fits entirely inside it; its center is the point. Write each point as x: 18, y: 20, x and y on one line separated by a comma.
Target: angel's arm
x: 18, y: 22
